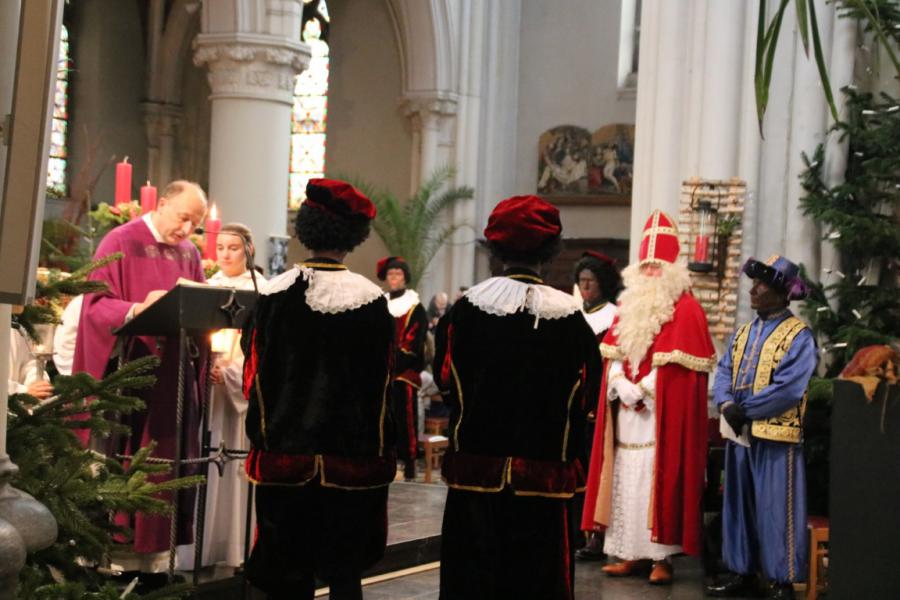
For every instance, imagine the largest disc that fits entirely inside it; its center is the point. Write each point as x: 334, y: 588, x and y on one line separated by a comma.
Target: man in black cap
x: 760, y: 389
x: 520, y: 365
x: 411, y: 327
x: 318, y: 361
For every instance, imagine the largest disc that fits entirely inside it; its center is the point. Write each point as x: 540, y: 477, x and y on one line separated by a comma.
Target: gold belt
x: 627, y: 446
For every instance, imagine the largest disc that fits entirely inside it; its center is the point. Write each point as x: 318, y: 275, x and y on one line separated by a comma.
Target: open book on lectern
x: 194, y: 308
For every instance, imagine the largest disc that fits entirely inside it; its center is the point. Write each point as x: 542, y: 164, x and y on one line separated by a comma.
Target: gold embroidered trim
x: 628, y: 446
x: 408, y: 382
x: 325, y: 266
x: 384, y: 396
x: 647, y: 391
x: 262, y: 413
x: 688, y: 361
x: 790, y: 514
x: 525, y: 277
x: 569, y: 415
x: 459, y: 393
x: 788, y: 426
x: 596, y: 308
x: 610, y: 351
x: 737, y: 352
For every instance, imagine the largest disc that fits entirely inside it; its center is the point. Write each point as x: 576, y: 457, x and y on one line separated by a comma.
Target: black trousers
x: 498, y: 546
x: 313, y: 531
x: 405, y: 403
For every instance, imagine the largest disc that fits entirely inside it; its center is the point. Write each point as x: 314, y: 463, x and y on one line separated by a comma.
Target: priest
x: 649, y: 452
x: 411, y: 327
x: 156, y: 252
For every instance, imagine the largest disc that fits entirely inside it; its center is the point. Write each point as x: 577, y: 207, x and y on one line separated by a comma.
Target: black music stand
x: 190, y: 310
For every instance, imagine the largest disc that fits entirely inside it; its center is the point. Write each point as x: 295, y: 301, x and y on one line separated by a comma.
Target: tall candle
x: 148, y: 198
x: 123, y: 182
x: 213, y: 227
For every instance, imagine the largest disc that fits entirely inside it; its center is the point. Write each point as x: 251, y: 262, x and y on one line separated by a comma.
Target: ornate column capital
x: 426, y: 105
x: 253, y: 66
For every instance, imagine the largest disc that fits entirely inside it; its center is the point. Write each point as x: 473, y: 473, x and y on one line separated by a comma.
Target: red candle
x: 148, y: 198
x: 701, y: 248
x: 123, y: 182
x: 213, y: 227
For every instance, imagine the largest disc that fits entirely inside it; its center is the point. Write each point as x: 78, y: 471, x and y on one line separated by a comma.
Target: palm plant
x: 881, y: 18
x: 414, y: 229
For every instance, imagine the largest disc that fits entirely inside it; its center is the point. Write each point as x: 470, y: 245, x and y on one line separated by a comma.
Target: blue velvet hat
x: 780, y: 273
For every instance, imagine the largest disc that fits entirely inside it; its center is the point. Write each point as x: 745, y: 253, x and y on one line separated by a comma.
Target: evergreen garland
x: 81, y: 488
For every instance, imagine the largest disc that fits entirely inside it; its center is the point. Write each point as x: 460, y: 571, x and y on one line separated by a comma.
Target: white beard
x: 646, y: 304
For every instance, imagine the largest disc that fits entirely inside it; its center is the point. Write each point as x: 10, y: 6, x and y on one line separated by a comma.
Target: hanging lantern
x: 703, y: 244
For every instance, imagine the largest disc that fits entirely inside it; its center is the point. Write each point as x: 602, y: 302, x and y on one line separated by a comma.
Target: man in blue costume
x: 760, y: 390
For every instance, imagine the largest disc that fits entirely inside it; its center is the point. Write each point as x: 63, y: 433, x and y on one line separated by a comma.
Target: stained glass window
x: 310, y: 110
x: 56, y: 169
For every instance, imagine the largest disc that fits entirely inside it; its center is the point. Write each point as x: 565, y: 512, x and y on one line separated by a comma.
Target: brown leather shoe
x: 661, y: 573
x: 626, y: 567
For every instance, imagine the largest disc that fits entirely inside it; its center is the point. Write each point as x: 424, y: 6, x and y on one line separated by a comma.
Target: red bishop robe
x: 683, y: 355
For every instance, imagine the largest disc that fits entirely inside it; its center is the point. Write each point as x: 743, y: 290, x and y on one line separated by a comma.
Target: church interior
x: 755, y: 129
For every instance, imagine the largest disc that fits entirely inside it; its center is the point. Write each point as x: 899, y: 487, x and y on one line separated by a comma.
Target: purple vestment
x: 147, y: 265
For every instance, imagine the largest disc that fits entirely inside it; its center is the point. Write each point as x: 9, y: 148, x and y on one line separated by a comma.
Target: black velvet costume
x: 519, y: 388
x: 409, y: 361
x: 321, y: 433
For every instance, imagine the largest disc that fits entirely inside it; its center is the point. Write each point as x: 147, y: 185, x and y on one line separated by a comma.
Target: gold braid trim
x: 459, y: 393
x: 790, y: 514
x: 688, y: 361
x: 788, y: 426
x: 611, y: 352
x: 737, y: 352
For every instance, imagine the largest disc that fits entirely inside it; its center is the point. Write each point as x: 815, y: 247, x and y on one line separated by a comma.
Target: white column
x: 251, y: 77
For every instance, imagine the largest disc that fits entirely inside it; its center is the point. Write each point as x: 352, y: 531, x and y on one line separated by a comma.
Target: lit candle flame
x: 213, y: 212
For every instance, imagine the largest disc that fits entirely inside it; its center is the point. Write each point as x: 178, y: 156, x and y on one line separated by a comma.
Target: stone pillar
x: 252, y: 78
x: 431, y: 116
x: 161, y: 121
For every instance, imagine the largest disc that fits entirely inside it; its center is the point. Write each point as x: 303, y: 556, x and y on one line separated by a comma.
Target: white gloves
x: 628, y: 393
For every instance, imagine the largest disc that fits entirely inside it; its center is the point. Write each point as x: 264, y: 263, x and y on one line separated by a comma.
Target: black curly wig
x: 542, y: 254
x: 318, y: 229
x: 606, y: 273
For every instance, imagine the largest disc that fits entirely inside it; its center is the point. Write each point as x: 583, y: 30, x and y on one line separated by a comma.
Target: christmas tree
x: 82, y: 488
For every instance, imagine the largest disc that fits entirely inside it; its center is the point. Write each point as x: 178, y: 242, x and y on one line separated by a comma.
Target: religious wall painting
x: 577, y: 167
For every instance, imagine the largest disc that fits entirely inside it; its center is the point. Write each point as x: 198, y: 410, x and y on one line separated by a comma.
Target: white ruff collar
x: 602, y: 319
x: 329, y: 292
x: 401, y: 305
x: 502, y: 296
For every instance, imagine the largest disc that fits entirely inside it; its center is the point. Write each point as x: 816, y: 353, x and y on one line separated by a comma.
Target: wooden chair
x: 434, y: 446
x: 818, y: 554
x: 437, y: 425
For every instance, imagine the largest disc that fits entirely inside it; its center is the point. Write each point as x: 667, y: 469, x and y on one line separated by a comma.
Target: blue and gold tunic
x: 766, y: 371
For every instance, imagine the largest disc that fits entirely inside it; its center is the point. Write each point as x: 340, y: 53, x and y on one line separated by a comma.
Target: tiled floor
x: 415, y: 510
x: 590, y: 584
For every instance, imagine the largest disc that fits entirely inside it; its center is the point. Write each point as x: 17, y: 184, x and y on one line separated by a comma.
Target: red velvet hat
x: 391, y: 262
x: 659, y: 242
x: 599, y: 256
x: 523, y: 223
x: 339, y: 198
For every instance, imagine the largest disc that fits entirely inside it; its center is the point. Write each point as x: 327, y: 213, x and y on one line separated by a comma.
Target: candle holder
x: 702, y: 245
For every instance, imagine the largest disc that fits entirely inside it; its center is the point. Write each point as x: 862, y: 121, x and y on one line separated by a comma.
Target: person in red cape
x: 649, y: 453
